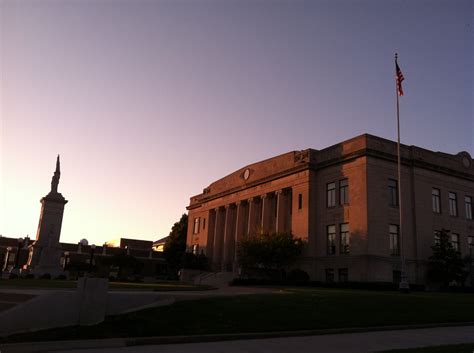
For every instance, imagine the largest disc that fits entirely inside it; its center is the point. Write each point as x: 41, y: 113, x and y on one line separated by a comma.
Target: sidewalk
x: 362, y: 342
x: 339, y: 343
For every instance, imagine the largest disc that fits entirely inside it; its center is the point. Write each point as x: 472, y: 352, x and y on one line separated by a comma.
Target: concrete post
x: 92, y: 300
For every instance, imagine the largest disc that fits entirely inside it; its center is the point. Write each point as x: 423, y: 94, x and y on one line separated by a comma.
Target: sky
x: 148, y: 102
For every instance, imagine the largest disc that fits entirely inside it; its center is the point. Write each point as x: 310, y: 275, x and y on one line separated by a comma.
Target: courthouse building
x: 343, y: 200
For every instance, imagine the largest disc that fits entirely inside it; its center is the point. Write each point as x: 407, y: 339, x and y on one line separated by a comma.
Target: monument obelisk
x: 44, y: 253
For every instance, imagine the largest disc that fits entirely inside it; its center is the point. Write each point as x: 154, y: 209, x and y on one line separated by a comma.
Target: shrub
x: 270, y: 251
x: 298, y: 275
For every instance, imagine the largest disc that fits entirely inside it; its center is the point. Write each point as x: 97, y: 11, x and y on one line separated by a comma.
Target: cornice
x: 315, y: 166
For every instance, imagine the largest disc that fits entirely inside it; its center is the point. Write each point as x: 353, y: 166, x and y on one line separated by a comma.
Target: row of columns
x: 270, y: 212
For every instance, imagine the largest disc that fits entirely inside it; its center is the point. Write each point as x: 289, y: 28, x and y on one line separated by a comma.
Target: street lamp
x: 92, y: 257
x: 471, y: 247
x: 7, y: 258
x: 66, y: 260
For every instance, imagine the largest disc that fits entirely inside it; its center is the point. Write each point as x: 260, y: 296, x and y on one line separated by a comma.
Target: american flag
x: 399, y: 77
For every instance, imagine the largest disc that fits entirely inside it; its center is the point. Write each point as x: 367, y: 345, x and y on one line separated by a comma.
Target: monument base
x: 43, y: 261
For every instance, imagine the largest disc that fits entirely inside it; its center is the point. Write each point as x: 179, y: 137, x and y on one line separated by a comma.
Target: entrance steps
x: 215, y: 279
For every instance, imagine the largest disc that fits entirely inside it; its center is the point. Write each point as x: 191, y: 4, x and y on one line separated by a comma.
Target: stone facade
x: 343, y: 201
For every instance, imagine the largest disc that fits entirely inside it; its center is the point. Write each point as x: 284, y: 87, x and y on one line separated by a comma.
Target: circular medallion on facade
x: 246, y: 173
x: 465, y: 159
x: 466, y: 162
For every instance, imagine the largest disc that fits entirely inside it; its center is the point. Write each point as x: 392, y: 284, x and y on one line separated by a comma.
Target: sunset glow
x: 147, y: 101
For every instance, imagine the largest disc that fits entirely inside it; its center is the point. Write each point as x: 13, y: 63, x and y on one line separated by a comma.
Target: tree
x: 270, y: 251
x: 195, y: 262
x: 446, y: 264
x: 175, y: 245
x: 126, y: 264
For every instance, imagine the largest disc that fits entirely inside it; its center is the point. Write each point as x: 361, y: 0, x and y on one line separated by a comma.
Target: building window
x: 300, y: 201
x: 195, y: 249
x: 470, y: 245
x: 343, y: 191
x: 455, y: 241
x: 343, y: 274
x: 196, y: 225
x: 344, y: 229
x: 468, y: 202
x: 393, y: 192
x: 329, y: 275
x: 435, y: 200
x: 203, y: 223
x: 437, y: 238
x: 331, y: 194
x: 394, y: 240
x: 453, y: 204
x: 331, y: 239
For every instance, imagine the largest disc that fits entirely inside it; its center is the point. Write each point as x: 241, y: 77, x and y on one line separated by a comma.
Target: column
x: 211, y: 223
x: 229, y: 238
x: 267, y: 213
x: 254, y: 217
x: 282, y: 211
x: 273, y: 212
x: 218, y: 237
x: 241, y: 227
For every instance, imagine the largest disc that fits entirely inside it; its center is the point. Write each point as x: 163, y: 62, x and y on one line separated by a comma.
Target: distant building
x: 76, y: 257
x: 159, y: 245
x: 343, y: 200
x: 130, y: 243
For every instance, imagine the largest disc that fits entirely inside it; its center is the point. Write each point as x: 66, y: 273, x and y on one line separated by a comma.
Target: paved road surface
x: 9, y: 300
x: 338, y: 343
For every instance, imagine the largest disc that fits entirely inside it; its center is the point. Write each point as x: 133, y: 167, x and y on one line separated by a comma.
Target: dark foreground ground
x: 285, y: 310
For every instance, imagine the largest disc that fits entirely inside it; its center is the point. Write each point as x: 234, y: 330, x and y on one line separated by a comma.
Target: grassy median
x: 287, y: 310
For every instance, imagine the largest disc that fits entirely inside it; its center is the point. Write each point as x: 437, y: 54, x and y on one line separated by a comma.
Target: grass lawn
x: 291, y: 309
x: 456, y: 348
x: 61, y: 284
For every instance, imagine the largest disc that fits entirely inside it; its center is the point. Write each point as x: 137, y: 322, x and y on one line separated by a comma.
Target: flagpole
x: 404, y: 285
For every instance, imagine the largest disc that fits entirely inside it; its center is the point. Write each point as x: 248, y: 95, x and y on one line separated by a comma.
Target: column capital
x: 279, y: 192
x: 263, y: 196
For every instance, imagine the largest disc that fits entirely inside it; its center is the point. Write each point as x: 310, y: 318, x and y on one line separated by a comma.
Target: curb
x: 51, y: 346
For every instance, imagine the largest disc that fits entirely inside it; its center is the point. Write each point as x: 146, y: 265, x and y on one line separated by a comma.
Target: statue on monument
x: 56, y: 176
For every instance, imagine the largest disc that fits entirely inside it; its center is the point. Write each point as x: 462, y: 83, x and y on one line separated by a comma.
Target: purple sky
x: 148, y: 102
